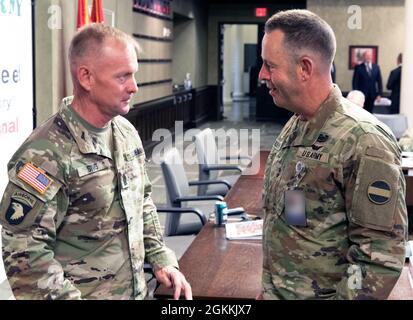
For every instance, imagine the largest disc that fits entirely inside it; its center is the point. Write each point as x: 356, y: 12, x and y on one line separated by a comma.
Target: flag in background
x: 97, y: 12
x: 82, y: 13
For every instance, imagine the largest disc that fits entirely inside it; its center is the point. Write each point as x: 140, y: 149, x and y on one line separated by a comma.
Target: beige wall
x: 52, y: 76
x: 190, y: 55
x: 382, y: 25
x: 235, y: 13
x: 195, y: 43
x: 190, y: 42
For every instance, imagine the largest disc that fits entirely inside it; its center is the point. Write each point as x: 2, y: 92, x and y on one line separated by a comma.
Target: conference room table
x: 218, y: 268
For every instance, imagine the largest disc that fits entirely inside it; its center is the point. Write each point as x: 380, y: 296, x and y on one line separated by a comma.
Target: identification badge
x: 294, y: 212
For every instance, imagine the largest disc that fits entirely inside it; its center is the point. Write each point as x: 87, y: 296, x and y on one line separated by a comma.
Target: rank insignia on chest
x: 129, y: 156
x: 323, y: 137
x: 35, y: 177
x: 379, y: 192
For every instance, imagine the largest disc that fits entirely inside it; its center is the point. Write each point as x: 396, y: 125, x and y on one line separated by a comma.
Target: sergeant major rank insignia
x: 20, y: 205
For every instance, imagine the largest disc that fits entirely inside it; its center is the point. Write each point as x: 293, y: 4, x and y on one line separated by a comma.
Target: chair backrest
x: 207, y: 153
x: 396, y: 122
x: 177, y: 186
x: 175, y: 177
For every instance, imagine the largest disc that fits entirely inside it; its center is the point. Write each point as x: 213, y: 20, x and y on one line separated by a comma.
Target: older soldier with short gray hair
x: 77, y: 215
x: 334, y: 192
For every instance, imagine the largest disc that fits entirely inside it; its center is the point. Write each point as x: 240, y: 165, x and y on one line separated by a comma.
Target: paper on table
x: 249, y: 230
x: 407, y: 154
x: 407, y: 162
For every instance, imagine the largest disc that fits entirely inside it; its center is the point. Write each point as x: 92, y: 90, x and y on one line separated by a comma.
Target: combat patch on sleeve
x: 35, y: 177
x: 375, y: 194
x: 379, y: 192
x: 19, y: 208
x: 21, y: 203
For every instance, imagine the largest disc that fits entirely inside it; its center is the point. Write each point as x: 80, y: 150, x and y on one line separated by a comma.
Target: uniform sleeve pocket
x: 375, y: 194
x: 53, y: 186
x: 22, y: 203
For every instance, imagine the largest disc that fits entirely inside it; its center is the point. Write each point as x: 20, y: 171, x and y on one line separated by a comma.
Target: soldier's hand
x: 172, y: 277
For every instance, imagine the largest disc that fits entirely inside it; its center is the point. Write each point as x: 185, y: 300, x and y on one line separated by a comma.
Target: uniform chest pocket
x: 320, y: 184
x: 92, y: 185
x: 321, y: 180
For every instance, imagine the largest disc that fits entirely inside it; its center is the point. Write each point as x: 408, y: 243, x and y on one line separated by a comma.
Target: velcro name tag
x: 129, y: 156
x: 380, y: 153
x: 35, y: 177
x: 93, y: 167
x: 313, y: 155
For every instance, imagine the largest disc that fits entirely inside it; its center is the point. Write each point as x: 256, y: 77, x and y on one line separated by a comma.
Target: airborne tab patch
x: 35, y: 177
x: 379, y: 192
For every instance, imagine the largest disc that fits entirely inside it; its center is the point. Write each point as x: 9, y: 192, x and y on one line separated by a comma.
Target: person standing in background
x: 367, y: 79
x: 394, y: 83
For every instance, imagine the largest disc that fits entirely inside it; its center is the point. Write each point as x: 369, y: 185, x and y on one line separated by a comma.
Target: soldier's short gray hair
x: 304, y: 30
x: 90, y: 39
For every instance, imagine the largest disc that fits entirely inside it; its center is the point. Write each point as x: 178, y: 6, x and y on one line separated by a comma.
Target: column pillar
x: 237, y: 91
x: 406, y: 98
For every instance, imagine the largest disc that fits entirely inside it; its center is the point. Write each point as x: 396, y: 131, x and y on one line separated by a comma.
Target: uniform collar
x: 86, y: 141
x: 310, y: 132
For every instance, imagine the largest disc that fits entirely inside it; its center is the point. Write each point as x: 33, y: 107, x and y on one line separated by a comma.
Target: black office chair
x: 178, y: 193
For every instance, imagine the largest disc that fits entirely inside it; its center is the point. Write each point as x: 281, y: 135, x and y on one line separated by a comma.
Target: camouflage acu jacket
x: 347, y: 166
x: 78, y: 223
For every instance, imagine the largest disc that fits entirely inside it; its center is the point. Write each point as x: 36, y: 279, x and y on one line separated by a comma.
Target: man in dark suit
x: 367, y: 79
x: 393, y: 84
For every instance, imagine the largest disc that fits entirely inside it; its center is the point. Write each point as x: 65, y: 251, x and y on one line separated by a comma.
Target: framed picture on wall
x: 356, y: 55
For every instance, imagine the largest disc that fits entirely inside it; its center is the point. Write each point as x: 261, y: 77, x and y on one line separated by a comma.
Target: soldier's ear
x: 305, y: 68
x: 84, y: 77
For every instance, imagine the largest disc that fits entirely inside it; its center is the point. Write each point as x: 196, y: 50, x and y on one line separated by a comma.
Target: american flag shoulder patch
x: 35, y: 177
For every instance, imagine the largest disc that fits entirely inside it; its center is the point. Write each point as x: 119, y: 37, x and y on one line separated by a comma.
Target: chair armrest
x: 204, y: 182
x: 234, y: 211
x: 222, y: 167
x: 238, y: 157
x: 198, y: 212
x: 199, y: 198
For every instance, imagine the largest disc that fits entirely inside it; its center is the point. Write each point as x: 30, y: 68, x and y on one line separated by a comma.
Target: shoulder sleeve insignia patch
x: 17, y: 211
x: 379, y: 192
x: 35, y: 178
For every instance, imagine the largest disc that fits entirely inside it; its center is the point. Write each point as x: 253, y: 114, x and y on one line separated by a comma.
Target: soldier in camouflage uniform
x: 406, y: 141
x: 77, y: 215
x: 334, y: 193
